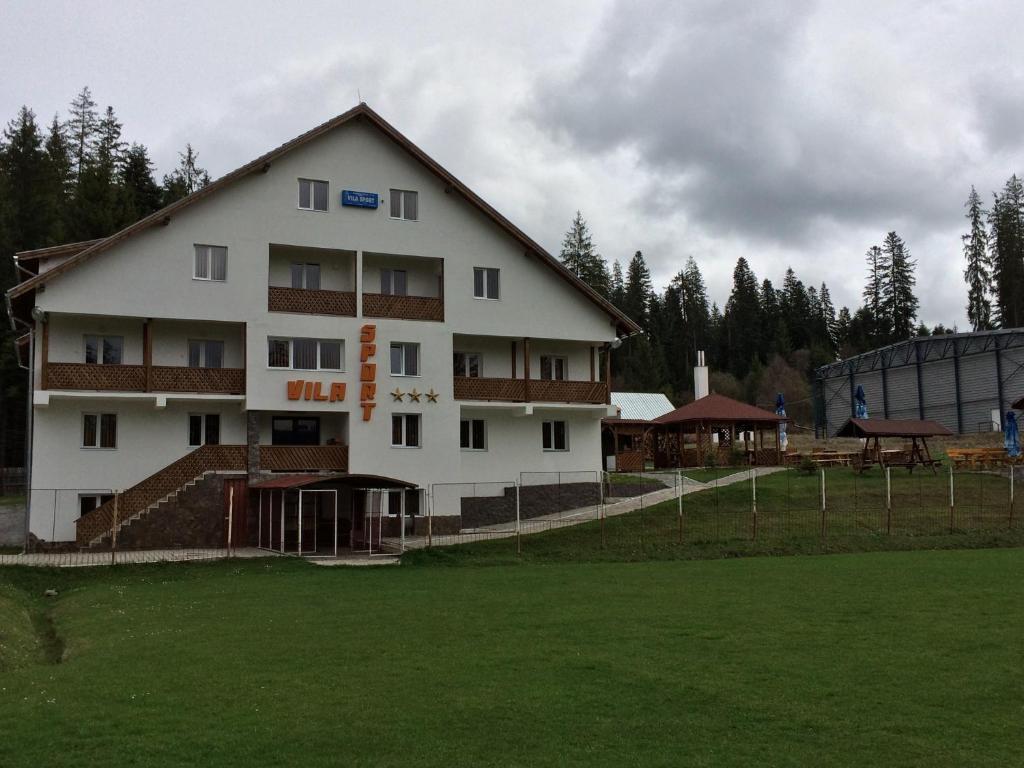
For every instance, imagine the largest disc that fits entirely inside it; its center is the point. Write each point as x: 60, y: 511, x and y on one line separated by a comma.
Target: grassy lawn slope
x: 896, y: 659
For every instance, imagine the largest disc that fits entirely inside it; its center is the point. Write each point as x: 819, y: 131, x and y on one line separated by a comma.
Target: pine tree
x: 581, y: 257
x: 796, y: 314
x: 110, y: 147
x: 880, y: 327
x: 617, y: 288
x: 843, y: 331
x: 140, y: 191
x: 742, y: 320
x: 61, y: 187
x: 186, y: 178
x: 774, y: 333
x: 638, y: 290
x: 81, y: 128
x: 828, y: 315
x: 978, y: 271
x: 27, y: 183
x: 673, y: 336
x: 696, y: 314
x: 1006, y: 246
x: 898, y: 297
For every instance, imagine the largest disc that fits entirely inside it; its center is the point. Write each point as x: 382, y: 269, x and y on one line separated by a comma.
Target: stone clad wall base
x: 534, y: 501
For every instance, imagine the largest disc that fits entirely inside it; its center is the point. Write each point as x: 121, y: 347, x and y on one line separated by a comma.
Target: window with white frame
x: 305, y: 354
x: 553, y: 368
x: 404, y: 204
x: 394, y: 282
x: 405, y: 430
x: 473, y: 434
x: 87, y: 502
x: 203, y: 429
x: 468, y: 364
x: 485, y: 283
x: 313, y: 195
x: 556, y: 436
x: 99, y: 430
x: 305, y: 276
x: 405, y: 358
x: 211, y: 263
x: 104, y: 350
x: 205, y: 353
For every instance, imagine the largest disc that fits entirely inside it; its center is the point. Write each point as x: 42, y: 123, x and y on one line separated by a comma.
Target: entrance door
x: 295, y: 430
x: 236, y: 509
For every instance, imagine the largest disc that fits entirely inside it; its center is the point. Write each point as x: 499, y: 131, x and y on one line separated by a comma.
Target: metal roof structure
x: 715, y: 407
x: 641, y: 406
x: 892, y: 428
x: 282, y: 482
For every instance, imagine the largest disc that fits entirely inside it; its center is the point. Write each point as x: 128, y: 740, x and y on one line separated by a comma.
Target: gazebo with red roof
x: 719, y: 426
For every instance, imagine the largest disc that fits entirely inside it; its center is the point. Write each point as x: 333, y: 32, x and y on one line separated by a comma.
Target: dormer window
x: 313, y: 195
x: 404, y: 205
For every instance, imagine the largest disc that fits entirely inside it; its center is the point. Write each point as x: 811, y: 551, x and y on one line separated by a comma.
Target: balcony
x: 303, y: 458
x: 134, y: 378
x: 403, y: 307
x: 530, y: 390
x: 311, y: 302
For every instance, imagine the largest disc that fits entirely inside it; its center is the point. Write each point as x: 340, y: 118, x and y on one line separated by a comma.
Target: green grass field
x: 872, y: 659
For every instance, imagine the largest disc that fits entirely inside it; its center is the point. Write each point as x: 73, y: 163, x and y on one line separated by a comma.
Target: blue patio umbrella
x: 780, y: 410
x: 860, y: 410
x: 1011, y: 435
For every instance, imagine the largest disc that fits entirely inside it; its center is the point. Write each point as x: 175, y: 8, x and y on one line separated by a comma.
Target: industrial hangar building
x: 965, y: 381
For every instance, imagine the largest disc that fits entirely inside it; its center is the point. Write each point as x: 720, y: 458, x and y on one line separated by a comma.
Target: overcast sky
x: 794, y: 134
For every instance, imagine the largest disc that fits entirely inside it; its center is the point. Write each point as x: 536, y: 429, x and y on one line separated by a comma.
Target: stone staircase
x: 96, y: 528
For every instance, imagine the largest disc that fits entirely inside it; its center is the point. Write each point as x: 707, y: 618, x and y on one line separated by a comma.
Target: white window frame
x: 98, y: 446
x: 401, y: 204
x: 203, y: 363
x: 202, y: 429
x: 305, y: 274
x: 100, y: 338
x: 392, y: 282
x: 472, y: 448
x: 312, y: 195
x: 544, y: 428
x: 464, y: 373
x: 419, y: 360
x: 291, y: 354
x: 97, y: 497
x: 405, y: 430
x: 555, y: 360
x: 486, y: 296
x: 208, y: 260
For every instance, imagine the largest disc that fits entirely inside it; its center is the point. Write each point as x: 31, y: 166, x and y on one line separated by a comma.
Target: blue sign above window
x: 359, y: 199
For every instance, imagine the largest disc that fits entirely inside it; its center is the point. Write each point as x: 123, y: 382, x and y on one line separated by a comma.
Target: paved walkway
x: 577, y: 516
x: 125, y: 557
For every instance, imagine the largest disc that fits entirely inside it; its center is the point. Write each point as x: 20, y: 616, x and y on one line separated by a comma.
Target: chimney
x: 700, y: 378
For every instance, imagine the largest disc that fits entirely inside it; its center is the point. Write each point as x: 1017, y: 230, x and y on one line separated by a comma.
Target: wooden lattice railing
x: 539, y: 390
x: 311, y: 302
x: 403, y: 307
x: 218, y: 458
x: 108, y: 378
x: 220, y: 381
x: 303, y: 458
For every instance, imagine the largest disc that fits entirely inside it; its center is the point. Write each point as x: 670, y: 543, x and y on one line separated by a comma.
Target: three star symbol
x: 397, y: 395
x: 432, y: 395
x: 414, y: 396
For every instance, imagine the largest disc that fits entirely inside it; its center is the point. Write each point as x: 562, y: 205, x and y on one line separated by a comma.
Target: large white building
x: 341, y: 304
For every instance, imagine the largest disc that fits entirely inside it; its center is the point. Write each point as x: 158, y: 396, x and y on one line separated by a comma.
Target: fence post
x: 231, y: 511
x: 113, y: 534
x: 679, y: 479
x: 822, y: 502
x: 888, y: 502
x: 951, y: 498
x: 430, y: 515
x: 753, y: 500
x: 401, y: 525
x: 1011, y: 497
x: 519, y: 540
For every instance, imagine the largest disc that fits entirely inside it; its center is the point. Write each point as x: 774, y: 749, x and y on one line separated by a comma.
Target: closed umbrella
x: 1011, y: 435
x: 860, y: 410
x: 780, y: 410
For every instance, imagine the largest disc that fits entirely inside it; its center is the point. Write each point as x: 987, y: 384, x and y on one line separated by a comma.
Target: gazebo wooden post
x: 778, y: 446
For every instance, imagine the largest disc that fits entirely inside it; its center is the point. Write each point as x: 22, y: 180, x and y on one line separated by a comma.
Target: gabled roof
x: 715, y: 407
x: 892, y: 428
x: 67, y: 249
x: 642, y: 406
x: 262, y: 163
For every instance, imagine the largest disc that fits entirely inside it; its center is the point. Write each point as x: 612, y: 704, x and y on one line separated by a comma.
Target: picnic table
x: 975, y: 458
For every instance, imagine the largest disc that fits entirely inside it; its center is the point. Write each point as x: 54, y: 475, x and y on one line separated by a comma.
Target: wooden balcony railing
x: 132, y: 378
x: 536, y: 390
x: 311, y: 302
x: 303, y: 458
x: 108, y: 378
x: 403, y: 307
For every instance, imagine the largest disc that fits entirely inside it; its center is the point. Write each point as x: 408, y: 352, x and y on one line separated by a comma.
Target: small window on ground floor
x: 556, y: 436
x: 473, y: 435
x: 412, y: 502
x: 203, y: 429
x: 87, y: 502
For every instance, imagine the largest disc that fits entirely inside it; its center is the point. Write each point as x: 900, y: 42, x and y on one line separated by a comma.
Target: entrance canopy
x: 310, y: 482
